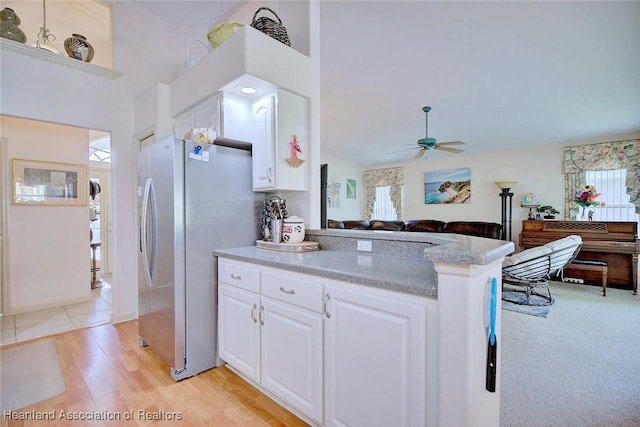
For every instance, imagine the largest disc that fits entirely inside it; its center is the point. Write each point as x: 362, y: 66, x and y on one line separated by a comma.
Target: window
x: 604, y: 163
x: 611, y: 186
x: 385, y: 184
x: 382, y: 206
x: 100, y: 150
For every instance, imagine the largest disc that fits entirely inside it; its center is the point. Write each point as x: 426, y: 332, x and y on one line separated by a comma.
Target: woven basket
x: 222, y: 32
x: 270, y: 27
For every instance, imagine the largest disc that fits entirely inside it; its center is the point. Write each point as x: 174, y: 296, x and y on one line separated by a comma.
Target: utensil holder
x: 276, y: 230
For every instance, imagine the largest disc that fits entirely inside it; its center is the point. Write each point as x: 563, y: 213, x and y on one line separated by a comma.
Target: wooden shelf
x: 34, y: 52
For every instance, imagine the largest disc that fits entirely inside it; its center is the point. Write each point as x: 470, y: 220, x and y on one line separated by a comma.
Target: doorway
x: 100, y: 220
x: 62, y: 251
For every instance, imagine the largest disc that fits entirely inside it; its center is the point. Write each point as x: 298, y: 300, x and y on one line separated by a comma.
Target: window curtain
x: 392, y: 177
x: 601, y: 157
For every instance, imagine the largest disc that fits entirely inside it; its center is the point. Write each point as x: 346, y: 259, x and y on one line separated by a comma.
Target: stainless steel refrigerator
x: 192, y: 199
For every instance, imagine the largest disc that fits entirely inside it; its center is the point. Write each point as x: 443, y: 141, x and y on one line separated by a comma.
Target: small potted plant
x: 549, y: 211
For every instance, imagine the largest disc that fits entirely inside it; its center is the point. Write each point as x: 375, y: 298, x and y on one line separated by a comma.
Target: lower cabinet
x: 276, y: 344
x: 239, y: 330
x: 341, y: 354
x: 292, y: 356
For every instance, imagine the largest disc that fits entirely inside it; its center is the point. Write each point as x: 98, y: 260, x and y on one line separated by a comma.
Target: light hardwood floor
x: 107, y: 372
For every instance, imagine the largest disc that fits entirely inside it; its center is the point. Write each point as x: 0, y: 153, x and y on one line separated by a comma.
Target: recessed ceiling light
x: 248, y: 90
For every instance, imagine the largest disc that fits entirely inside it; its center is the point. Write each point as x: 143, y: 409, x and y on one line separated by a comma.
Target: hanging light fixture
x: 45, y: 38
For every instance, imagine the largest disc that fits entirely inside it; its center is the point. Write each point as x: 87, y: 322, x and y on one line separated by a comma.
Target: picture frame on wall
x: 447, y: 186
x: 38, y: 182
x: 351, y: 188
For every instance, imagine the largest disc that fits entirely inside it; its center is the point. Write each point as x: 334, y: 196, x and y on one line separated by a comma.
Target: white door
x: 101, y: 227
x: 239, y: 329
x: 375, y: 360
x: 263, y: 146
x: 292, y: 356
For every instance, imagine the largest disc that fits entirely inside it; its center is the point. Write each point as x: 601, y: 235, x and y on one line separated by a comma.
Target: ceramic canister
x: 293, y: 230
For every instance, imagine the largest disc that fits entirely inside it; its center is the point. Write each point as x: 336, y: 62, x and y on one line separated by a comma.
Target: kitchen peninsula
x: 395, y: 336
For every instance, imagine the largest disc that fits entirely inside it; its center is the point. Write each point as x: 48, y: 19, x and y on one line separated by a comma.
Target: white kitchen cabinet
x: 239, y: 330
x: 263, y: 149
x: 228, y: 114
x: 339, y: 353
x: 374, y: 359
x: 276, y: 119
x: 274, y: 338
x: 292, y: 356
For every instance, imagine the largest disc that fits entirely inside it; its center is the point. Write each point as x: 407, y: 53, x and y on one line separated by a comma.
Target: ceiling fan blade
x: 420, y: 153
x: 406, y: 149
x: 449, y: 149
x: 451, y: 143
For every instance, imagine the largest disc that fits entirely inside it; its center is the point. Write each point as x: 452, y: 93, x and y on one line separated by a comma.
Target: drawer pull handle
x: 236, y: 276
x: 254, y: 313
x: 291, y: 292
x: 327, y: 298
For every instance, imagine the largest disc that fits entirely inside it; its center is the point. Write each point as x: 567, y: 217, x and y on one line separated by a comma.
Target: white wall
x: 536, y: 169
x: 48, y: 245
x: 341, y: 169
x: 32, y: 88
x: 146, y: 51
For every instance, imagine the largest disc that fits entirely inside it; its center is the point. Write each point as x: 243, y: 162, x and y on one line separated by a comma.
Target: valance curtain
x: 392, y: 177
x: 601, y: 157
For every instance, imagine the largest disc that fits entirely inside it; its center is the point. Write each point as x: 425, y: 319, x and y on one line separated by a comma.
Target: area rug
x: 517, y: 301
x: 29, y: 373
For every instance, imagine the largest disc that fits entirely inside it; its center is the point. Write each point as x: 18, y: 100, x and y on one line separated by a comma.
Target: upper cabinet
x: 279, y: 137
x: 274, y: 119
x: 229, y: 115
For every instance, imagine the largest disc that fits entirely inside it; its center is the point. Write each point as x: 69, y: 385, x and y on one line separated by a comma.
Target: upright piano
x: 616, y: 243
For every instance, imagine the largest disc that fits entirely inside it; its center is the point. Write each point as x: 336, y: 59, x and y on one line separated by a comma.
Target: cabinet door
x: 239, y: 329
x: 183, y: 124
x: 208, y: 113
x: 263, y: 138
x: 292, y: 356
x: 375, y: 360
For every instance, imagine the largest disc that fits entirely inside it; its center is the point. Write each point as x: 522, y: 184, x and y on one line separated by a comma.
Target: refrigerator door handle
x: 148, y: 201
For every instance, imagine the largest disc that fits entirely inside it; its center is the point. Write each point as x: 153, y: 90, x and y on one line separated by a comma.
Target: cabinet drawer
x: 293, y: 289
x: 239, y: 274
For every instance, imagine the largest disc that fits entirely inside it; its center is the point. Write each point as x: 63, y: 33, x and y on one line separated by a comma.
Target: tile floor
x: 22, y: 327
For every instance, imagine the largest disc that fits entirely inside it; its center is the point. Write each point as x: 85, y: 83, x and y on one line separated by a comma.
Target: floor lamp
x: 505, y: 186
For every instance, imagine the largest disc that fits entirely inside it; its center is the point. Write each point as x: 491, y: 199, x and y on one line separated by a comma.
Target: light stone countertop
x: 406, y: 275
x: 416, y: 276
x: 444, y: 247
x: 469, y: 250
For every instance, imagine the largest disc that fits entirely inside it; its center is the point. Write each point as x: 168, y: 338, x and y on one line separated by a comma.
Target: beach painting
x: 447, y: 186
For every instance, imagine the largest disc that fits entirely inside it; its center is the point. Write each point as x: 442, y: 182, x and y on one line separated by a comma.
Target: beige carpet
x: 29, y: 373
x: 579, y: 367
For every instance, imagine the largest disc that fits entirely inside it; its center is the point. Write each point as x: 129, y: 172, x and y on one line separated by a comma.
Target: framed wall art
x: 351, y: 188
x: 447, y: 186
x: 37, y: 182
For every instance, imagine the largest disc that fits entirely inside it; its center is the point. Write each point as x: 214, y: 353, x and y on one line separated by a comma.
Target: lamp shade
x: 530, y: 200
x: 505, y: 185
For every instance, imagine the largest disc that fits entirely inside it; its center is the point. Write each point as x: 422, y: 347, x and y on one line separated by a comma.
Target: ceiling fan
x: 427, y: 143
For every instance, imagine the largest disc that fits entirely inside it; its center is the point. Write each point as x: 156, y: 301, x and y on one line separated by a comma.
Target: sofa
x: 470, y: 228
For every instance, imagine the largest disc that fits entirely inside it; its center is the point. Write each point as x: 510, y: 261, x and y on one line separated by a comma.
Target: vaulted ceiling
x: 496, y: 74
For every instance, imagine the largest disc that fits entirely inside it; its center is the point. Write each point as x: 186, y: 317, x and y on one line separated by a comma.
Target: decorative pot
x: 78, y: 47
x: 293, y: 230
x: 9, y: 29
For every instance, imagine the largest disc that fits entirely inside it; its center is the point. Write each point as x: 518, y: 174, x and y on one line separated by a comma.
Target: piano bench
x: 589, y: 265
